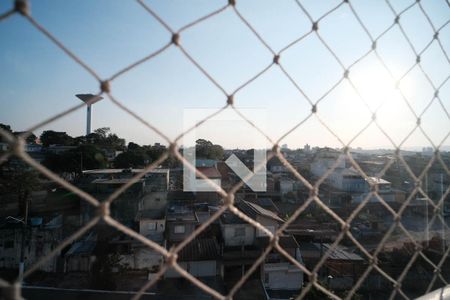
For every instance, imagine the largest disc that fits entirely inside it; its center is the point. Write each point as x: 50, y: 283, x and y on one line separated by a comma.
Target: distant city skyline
x: 39, y: 80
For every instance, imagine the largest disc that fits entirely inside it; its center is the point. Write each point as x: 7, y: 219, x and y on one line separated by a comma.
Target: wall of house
x: 42, y: 243
x: 79, y: 263
x: 200, y: 184
x: 9, y: 248
x: 204, y: 268
x: 286, y: 186
x: 229, y: 232
x: 173, y: 235
x: 388, y: 197
x: 149, y: 227
x: 141, y: 258
x: 321, y: 165
x: 153, y: 200
x: 156, y: 182
x: 354, y: 184
x: 270, y: 224
x: 282, y: 276
x: 341, y: 282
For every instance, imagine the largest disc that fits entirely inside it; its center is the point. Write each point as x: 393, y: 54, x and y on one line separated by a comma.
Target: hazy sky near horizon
x: 38, y: 80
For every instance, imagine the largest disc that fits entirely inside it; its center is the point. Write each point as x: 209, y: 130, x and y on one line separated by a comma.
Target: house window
x: 179, y: 229
x: 158, y: 199
x: 239, y: 232
x: 152, y: 226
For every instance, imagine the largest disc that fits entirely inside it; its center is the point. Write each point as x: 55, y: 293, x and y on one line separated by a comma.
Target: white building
x: 286, y: 185
x: 278, y: 274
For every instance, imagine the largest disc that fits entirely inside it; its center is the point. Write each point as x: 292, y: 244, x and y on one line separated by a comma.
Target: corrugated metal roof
x: 339, y: 253
x: 285, y: 241
x: 210, y: 172
x: 266, y: 203
x: 82, y: 247
x: 115, y: 181
x: 252, y: 210
x: 86, y: 246
x: 200, y: 249
x: 114, y: 171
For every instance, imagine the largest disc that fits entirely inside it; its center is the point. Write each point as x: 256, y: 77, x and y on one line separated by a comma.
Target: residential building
x: 278, y: 274
x: 181, y: 221
x: 41, y: 238
x: 80, y: 256
x: 200, y: 258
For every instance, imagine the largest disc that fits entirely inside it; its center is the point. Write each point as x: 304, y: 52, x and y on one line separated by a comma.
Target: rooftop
x: 180, y: 214
x: 210, y: 172
x: 377, y: 180
x: 205, y: 163
x: 265, y: 203
x: 339, y: 253
x: 285, y: 241
x: 150, y: 214
x: 115, y: 181
x: 85, y: 246
x: 253, y: 210
x: 200, y: 249
x: 116, y: 171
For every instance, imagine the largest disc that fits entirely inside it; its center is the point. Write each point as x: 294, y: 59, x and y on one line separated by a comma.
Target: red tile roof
x: 210, y: 172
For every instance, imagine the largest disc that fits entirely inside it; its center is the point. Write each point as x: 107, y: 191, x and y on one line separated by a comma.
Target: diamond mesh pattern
x: 170, y: 256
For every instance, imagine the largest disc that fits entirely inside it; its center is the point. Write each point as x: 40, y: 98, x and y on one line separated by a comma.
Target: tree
x: 154, y: 152
x: 50, y: 137
x: 131, y: 159
x: 6, y: 128
x: 73, y: 161
x: 102, y: 138
x: 133, y: 146
x: 31, y: 138
x: 20, y: 183
x: 207, y: 150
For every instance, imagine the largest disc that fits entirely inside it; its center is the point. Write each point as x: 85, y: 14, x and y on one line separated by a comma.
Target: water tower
x: 91, y: 99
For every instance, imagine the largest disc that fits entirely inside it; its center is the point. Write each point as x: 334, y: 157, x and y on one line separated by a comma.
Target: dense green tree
x: 31, y: 138
x: 20, y: 183
x: 75, y: 160
x: 6, y: 128
x: 207, y: 150
x: 154, y: 152
x: 133, y: 146
x: 102, y: 138
x: 131, y: 159
x: 50, y: 137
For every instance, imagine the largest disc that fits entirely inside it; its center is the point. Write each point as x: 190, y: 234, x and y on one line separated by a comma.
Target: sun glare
x: 379, y: 90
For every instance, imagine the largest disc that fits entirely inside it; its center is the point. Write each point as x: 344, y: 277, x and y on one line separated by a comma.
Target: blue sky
x: 38, y: 80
